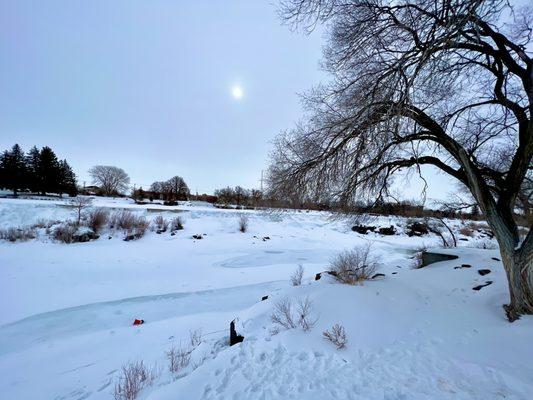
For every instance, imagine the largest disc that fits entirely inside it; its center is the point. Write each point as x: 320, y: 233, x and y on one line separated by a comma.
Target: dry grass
x: 176, y: 224
x: 243, y: 223
x: 64, y: 233
x: 466, y: 231
x: 97, y: 219
x: 160, y: 223
x: 13, y: 234
x: 297, y: 276
x: 337, y: 336
x: 355, y: 266
x: 178, y: 358
x: 135, y: 377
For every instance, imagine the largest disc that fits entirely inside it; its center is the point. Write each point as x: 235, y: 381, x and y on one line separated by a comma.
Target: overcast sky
x: 147, y: 86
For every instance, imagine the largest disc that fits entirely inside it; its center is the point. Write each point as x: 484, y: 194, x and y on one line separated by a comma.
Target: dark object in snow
x: 431, y: 258
x: 391, y: 230
x: 170, y: 203
x: 197, y: 237
x: 233, y: 337
x: 417, y: 229
x: 135, y: 236
x: 109, y: 237
x: 464, y: 239
x: 377, y: 275
x: 138, y: 321
x: 394, y: 273
x: 319, y: 275
x: 363, y: 229
x: 495, y: 258
x: 479, y: 287
x: 463, y: 266
x: 84, y: 236
x: 173, y: 233
x: 265, y: 238
x: 264, y: 298
x: 483, y: 272
x: 511, y: 313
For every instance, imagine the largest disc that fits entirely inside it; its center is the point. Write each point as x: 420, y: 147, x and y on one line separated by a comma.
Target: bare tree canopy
x: 111, y: 180
x: 447, y: 83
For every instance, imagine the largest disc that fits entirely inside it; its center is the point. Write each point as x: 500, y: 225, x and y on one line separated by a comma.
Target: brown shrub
x: 354, y: 266
x: 96, y: 219
x: 337, y: 336
x: 135, y: 377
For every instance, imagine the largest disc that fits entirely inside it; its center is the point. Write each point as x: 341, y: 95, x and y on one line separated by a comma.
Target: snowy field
x: 66, y: 312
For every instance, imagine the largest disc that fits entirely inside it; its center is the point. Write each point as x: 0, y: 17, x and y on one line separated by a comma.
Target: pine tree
x: 14, y: 173
x: 49, y: 172
x: 67, y: 180
x: 32, y: 161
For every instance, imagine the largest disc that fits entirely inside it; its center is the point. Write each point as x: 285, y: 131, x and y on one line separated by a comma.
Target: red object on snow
x: 138, y: 321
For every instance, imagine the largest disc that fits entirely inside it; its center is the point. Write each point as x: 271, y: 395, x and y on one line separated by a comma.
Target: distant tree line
x: 239, y: 196
x: 169, y: 191
x: 38, y: 171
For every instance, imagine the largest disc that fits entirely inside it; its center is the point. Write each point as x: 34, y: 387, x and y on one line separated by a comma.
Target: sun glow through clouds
x: 237, y: 92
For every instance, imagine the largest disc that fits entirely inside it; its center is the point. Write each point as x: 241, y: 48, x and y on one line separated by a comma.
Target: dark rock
x: 363, y: 229
x: 483, y: 272
x: 265, y: 238
x: 264, y: 298
x: 377, y: 275
x: 479, y: 287
x: 495, y: 258
x: 463, y: 266
x: 417, y: 229
x: 84, y: 236
x: 198, y: 237
x: 394, y: 273
x: 173, y: 233
x: 318, y: 276
x: 391, y: 230
x: 233, y: 337
x: 464, y: 239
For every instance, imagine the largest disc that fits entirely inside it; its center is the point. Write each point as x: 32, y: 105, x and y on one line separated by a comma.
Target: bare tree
x: 80, y: 203
x: 111, y: 180
x: 419, y: 82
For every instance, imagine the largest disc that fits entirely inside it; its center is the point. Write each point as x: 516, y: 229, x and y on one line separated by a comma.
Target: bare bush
x: 13, y: 234
x: 122, y: 219
x: 297, y: 276
x: 305, y: 320
x: 195, y: 338
x: 161, y: 224
x: 354, y: 266
x: 138, y: 229
x: 65, y: 232
x: 176, y: 223
x: 337, y: 336
x: 96, y: 219
x: 243, y: 223
x: 178, y: 358
x: 283, y: 315
x: 135, y: 377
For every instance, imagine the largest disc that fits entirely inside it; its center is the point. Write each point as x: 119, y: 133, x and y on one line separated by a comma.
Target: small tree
x: 80, y: 204
x: 111, y: 180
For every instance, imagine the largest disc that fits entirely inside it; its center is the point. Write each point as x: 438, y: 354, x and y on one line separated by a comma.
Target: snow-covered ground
x: 66, y: 312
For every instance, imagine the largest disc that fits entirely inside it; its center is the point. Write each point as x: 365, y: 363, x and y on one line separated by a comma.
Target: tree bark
x: 518, y: 264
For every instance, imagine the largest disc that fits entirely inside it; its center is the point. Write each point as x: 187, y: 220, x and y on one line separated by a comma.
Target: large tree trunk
x: 518, y: 263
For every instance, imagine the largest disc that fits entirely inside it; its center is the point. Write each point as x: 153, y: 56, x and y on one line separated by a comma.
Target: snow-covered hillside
x: 67, y: 310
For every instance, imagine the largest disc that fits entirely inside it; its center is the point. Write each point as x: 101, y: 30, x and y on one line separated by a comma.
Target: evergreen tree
x: 49, y: 171
x: 14, y: 173
x: 67, y: 179
x: 32, y: 161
